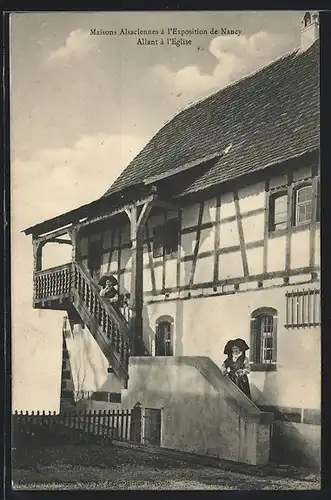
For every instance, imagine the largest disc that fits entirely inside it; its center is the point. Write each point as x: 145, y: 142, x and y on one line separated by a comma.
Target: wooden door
x: 152, y: 431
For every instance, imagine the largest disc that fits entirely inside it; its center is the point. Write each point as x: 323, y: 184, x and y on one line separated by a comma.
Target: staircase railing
x: 110, y: 331
x: 114, y: 331
x: 109, y: 326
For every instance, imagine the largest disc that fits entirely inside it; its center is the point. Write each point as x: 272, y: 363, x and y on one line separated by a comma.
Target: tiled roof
x: 268, y: 117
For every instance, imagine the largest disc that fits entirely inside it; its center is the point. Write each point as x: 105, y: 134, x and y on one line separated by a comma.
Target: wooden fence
x: 87, y: 426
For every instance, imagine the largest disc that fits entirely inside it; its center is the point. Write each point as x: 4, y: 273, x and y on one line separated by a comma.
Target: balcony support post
x: 138, y: 217
x: 37, y: 254
x: 73, y: 232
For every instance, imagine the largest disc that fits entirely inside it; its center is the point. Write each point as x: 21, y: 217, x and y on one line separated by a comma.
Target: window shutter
x: 254, y: 347
x: 274, y: 340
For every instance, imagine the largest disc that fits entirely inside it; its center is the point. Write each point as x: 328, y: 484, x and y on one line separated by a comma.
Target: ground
x: 70, y: 467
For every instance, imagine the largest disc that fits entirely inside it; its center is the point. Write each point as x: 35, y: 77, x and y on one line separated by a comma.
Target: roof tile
x: 268, y: 117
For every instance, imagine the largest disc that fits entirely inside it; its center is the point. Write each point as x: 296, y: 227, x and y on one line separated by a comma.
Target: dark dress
x: 242, y: 380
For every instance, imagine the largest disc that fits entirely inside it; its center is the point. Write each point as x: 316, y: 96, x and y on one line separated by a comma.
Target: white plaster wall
x: 230, y: 265
x: 255, y: 260
x: 171, y: 273
x: 229, y: 235
x: 253, y: 227
x: 251, y: 197
x: 209, y: 211
x: 207, y: 239
x: 227, y: 206
x: 203, y: 326
x: 204, y: 270
x: 300, y: 249
x: 276, y: 254
x: 88, y: 363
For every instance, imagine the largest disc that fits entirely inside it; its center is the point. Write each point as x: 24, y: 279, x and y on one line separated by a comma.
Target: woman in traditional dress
x: 109, y: 291
x: 236, y: 366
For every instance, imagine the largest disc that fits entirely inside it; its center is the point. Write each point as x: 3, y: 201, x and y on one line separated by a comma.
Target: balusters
x: 57, y: 284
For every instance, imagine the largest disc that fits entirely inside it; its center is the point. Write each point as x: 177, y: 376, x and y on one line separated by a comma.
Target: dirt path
x: 69, y: 467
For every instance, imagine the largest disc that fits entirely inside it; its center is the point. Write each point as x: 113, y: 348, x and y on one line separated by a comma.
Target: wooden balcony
x: 52, y: 287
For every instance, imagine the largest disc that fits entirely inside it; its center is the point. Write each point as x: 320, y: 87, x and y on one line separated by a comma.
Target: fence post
x: 126, y: 437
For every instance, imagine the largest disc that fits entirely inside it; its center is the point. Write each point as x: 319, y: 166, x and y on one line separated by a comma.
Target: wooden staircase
x: 69, y: 288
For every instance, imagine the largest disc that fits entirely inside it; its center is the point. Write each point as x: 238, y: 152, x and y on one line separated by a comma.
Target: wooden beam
x: 164, y: 260
x: 312, y: 232
x: 179, y: 248
x: 217, y: 236
x: 290, y: 220
x: 266, y: 226
x: 197, y: 244
x: 58, y: 240
x: 37, y: 254
x: 241, y: 233
x: 111, y: 250
x: 136, y: 296
x: 73, y: 237
x: 121, y: 210
x: 54, y: 234
x: 144, y: 214
x: 150, y: 258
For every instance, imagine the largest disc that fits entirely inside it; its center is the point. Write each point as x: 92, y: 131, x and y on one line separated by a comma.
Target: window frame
x: 291, y: 191
x: 274, y: 195
x: 296, y: 190
x: 256, y: 361
x: 160, y: 239
x: 170, y: 342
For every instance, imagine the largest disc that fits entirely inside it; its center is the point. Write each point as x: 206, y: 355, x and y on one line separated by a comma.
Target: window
x: 163, y: 337
x: 303, y: 205
x: 278, y: 211
x: 303, y: 308
x: 263, y: 338
x: 165, y: 238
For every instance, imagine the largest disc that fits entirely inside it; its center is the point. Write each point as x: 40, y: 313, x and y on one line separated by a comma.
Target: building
x: 212, y: 233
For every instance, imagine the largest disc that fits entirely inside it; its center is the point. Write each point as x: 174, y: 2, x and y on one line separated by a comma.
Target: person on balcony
x: 236, y: 365
x: 109, y: 290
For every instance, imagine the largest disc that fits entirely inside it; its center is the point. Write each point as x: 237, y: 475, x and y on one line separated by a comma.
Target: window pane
x: 304, y: 194
x: 304, y: 205
x: 265, y: 338
x: 278, y: 209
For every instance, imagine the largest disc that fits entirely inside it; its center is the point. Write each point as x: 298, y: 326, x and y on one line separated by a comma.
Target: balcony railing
x: 52, y: 284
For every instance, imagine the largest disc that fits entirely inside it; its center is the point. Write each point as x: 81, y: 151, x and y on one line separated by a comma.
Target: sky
x: 81, y: 107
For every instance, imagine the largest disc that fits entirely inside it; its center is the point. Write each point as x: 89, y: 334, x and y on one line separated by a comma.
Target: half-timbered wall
x: 230, y: 262
x: 224, y: 240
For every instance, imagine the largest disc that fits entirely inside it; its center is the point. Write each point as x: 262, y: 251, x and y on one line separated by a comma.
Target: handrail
x: 117, y: 316
x: 111, y: 345
x: 111, y: 311
x: 50, y: 270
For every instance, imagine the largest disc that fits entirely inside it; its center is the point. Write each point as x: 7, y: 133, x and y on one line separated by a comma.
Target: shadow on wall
x: 269, y: 393
x: 148, y: 332
x: 295, y: 444
x: 179, y: 326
